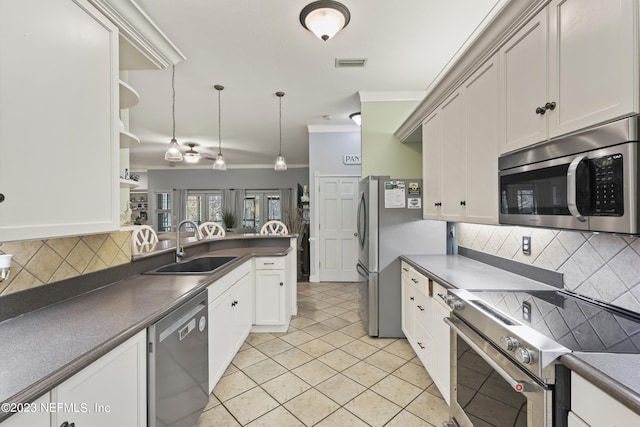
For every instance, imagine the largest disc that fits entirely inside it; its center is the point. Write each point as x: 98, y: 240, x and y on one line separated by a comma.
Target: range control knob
x: 454, y: 303
x: 509, y: 343
x: 525, y: 356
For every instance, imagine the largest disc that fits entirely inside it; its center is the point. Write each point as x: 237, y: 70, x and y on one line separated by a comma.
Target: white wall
x: 327, y: 146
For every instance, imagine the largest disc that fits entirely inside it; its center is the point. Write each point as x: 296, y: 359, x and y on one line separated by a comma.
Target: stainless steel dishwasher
x: 178, y: 365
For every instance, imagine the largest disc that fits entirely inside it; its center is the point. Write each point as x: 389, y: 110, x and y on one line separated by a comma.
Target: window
x: 204, y: 206
x: 260, y: 207
x: 163, y: 211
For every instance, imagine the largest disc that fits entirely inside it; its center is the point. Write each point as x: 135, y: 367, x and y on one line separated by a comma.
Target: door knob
x: 541, y: 110
x: 550, y: 106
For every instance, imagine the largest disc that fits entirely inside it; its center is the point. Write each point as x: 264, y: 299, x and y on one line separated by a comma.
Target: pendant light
x: 325, y: 18
x: 219, y: 164
x: 191, y: 155
x: 280, y: 165
x: 173, y: 153
x: 357, y: 118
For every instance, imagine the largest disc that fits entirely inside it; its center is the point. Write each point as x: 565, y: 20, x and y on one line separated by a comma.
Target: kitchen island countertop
x: 43, y: 348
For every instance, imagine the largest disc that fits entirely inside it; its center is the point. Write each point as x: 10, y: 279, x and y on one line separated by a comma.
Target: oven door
x: 488, y: 389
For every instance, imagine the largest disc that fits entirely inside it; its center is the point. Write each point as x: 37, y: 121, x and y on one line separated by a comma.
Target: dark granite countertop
x: 43, y: 348
x: 460, y: 272
x: 614, y: 373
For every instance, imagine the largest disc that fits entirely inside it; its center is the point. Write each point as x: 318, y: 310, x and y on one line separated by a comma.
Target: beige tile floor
x: 325, y: 371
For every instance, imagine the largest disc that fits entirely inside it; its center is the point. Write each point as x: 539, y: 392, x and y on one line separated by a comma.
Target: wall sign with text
x: 352, y: 159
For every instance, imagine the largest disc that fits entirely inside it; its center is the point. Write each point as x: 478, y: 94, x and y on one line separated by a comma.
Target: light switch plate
x: 526, y: 245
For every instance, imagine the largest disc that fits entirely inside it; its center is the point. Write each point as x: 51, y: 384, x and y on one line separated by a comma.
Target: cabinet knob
x: 540, y: 110
x: 1, y: 197
x: 550, y: 106
x: 463, y: 203
x: 281, y: 283
x: 412, y: 298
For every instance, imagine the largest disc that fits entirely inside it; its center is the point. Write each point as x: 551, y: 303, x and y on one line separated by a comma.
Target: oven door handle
x: 571, y: 188
x: 517, y: 385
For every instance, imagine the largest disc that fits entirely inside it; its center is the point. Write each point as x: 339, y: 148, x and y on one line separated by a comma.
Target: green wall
x: 383, y: 153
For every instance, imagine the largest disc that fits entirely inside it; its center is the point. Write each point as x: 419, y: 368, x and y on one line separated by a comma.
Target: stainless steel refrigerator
x: 390, y: 224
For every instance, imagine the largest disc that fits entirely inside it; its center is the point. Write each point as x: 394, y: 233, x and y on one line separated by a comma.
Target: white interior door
x: 338, y: 206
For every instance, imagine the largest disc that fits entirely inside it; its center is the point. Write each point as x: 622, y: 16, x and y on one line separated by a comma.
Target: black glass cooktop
x: 571, y: 320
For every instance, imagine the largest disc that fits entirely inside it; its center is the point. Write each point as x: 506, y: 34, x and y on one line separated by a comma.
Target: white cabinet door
x: 37, y: 416
x: 608, y: 412
x: 269, y: 297
x: 523, y: 88
x: 454, y: 157
x: 441, y: 343
x: 113, y: 389
x: 408, y: 303
x: 220, y: 337
x: 432, y: 165
x: 481, y: 97
x: 592, y: 52
x: 59, y: 110
x: 241, y: 312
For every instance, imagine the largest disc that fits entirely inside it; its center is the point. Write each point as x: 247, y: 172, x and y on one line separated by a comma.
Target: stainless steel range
x: 505, y: 349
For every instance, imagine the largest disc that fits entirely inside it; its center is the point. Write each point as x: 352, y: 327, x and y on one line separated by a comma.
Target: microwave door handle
x: 571, y: 188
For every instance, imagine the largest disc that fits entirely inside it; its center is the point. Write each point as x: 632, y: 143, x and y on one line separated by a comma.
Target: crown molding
x: 142, y: 44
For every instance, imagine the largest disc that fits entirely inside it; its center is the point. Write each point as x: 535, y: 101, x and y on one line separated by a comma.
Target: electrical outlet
x: 526, y: 245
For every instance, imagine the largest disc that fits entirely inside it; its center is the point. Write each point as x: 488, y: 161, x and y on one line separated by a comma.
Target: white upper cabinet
x: 523, y: 85
x: 59, y: 127
x: 574, y: 65
x: 460, y: 152
x: 593, y: 62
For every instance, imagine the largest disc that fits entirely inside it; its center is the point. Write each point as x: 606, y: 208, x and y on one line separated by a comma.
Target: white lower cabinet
x: 592, y: 407
x: 229, y: 308
x: 422, y: 314
x: 112, y: 391
x: 270, y: 292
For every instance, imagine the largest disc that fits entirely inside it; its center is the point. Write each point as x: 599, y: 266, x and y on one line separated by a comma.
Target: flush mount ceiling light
x: 356, y: 117
x: 173, y: 153
x: 219, y: 164
x: 191, y: 155
x: 325, y: 18
x: 281, y: 164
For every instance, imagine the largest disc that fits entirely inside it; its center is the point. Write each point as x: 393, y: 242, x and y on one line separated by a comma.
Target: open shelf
x: 127, y: 139
x: 128, y: 96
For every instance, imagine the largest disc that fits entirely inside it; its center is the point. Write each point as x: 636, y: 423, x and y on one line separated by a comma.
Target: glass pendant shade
x: 281, y: 164
x: 325, y: 18
x: 220, y: 164
x: 357, y: 118
x: 173, y: 154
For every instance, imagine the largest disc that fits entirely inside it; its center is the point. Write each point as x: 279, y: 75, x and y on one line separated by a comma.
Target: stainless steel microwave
x: 586, y: 181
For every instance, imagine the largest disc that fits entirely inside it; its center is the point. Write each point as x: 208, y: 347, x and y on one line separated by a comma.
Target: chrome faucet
x: 180, y: 249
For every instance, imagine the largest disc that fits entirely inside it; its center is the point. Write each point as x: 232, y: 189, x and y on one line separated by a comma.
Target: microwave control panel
x: 607, y: 186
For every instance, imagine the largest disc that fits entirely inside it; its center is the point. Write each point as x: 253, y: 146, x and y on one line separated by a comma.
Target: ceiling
x: 255, y: 48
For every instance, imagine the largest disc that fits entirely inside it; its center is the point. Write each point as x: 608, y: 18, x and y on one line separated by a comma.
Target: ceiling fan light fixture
x: 191, y: 156
x: 173, y: 154
x: 356, y: 117
x: 219, y: 164
x: 281, y: 164
x: 325, y: 18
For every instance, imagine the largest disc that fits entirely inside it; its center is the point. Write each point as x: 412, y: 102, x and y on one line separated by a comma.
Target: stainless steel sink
x: 203, y: 265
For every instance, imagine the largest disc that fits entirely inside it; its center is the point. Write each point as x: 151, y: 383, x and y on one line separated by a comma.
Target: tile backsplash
x: 38, y: 262
x: 600, y: 266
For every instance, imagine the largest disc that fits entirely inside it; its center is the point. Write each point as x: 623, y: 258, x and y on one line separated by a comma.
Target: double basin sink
x: 202, y: 265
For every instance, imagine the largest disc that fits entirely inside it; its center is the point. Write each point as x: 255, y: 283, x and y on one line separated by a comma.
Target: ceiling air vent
x: 351, y: 62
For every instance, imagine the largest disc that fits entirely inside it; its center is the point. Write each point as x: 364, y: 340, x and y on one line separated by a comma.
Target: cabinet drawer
x: 608, y: 412
x: 439, y: 292
x: 405, y: 269
x: 420, y: 281
x: 423, y: 310
x: 269, y: 263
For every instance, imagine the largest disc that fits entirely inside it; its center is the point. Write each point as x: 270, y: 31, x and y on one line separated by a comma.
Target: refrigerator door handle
x: 361, y: 270
x: 362, y: 220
